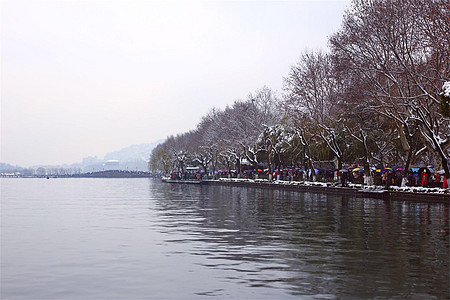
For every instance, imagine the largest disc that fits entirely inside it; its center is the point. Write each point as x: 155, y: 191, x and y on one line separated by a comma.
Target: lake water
x: 141, y: 238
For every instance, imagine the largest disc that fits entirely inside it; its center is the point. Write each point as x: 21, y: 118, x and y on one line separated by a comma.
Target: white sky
x: 81, y: 78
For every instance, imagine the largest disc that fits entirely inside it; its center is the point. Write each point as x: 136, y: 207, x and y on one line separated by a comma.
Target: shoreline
x: 97, y: 174
x: 415, y: 194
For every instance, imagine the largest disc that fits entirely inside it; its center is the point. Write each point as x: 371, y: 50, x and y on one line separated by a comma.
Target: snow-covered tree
x: 404, y: 63
x: 312, y: 92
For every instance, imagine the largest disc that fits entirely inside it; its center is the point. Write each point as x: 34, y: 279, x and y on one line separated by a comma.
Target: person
x: 355, y: 177
x: 424, y: 178
x: 389, y: 179
x: 411, y: 179
x: 398, y: 178
x: 344, y: 178
x: 377, y: 177
x: 384, y: 178
x: 437, y: 179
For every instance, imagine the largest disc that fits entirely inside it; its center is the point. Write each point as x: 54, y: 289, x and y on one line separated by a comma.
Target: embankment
x: 417, y: 194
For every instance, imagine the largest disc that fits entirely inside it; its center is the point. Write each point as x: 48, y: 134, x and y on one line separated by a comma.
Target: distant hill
x: 132, y: 158
x: 132, y: 153
x: 8, y: 167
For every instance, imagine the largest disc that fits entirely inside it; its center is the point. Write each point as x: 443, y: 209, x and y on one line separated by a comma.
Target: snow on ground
x: 408, y: 189
x: 419, y: 189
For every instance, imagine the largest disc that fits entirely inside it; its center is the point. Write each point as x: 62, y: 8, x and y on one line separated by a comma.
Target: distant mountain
x: 8, y: 167
x: 132, y: 158
x: 132, y: 153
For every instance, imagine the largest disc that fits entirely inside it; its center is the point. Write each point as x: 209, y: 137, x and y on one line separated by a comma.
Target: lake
x: 141, y: 238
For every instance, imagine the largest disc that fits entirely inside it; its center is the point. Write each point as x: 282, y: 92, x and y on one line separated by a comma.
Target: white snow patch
x: 418, y: 189
x: 375, y: 188
x: 446, y: 89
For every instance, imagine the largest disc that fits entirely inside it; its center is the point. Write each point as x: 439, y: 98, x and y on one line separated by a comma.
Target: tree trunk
x: 368, y: 178
x: 339, y: 163
x: 313, y: 171
x: 444, y: 161
x: 238, y: 165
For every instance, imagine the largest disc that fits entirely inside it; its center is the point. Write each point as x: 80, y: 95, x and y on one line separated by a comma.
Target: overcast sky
x: 81, y: 78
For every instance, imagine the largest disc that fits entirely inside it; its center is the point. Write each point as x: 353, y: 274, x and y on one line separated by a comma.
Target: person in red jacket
x: 424, y: 177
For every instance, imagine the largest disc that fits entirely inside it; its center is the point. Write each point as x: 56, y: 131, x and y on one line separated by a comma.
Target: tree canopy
x: 377, y: 96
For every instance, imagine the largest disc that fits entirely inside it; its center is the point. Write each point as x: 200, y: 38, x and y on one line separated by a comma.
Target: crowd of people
x: 425, y: 177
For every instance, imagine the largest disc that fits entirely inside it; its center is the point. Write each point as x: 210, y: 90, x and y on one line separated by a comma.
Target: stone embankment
x: 419, y: 194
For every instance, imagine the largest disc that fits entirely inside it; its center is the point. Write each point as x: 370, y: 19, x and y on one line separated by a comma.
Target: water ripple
x: 140, y: 238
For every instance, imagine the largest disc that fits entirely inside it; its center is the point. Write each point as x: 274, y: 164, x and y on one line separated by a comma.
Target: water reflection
x: 311, y: 244
x: 140, y: 238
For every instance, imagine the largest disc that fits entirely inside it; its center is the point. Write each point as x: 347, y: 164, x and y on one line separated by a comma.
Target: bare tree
x: 312, y: 92
x: 405, y: 61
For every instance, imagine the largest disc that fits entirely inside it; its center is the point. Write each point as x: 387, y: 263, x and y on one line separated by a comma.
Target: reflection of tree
x: 312, y: 243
